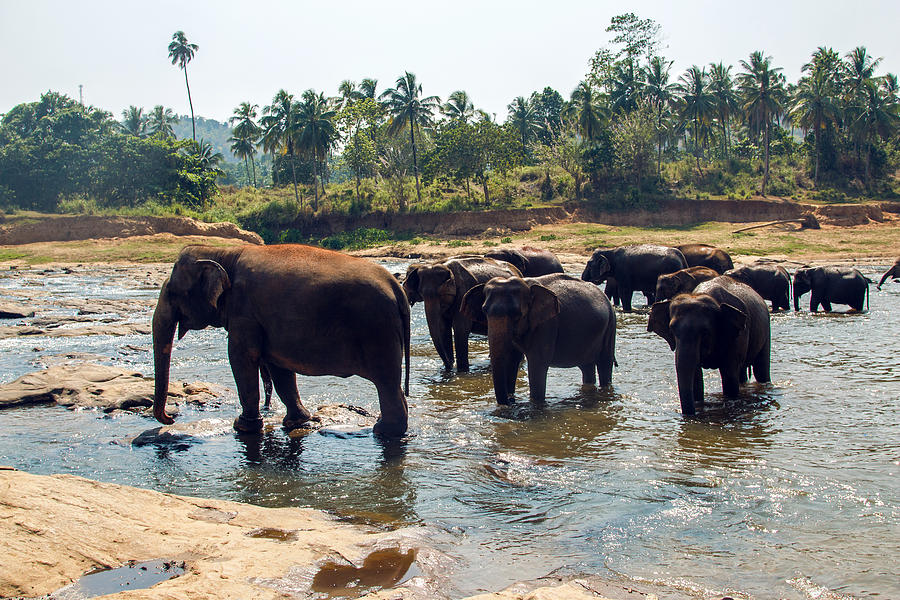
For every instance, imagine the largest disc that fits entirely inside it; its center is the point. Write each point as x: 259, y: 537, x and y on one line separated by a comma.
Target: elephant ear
x: 518, y: 260
x: 733, y: 320
x: 658, y: 322
x: 411, y: 284
x: 472, y: 304
x: 597, y: 269
x: 544, y: 306
x: 447, y: 290
x: 214, y: 281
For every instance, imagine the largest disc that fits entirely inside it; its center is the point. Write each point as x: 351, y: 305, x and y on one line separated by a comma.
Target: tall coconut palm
x: 763, y: 98
x: 658, y: 92
x: 245, y: 131
x: 316, y: 133
x: 524, y: 120
x: 814, y: 106
x: 209, y: 160
x: 409, y: 109
x: 588, y: 110
x: 160, y: 122
x: 367, y: 88
x: 182, y: 52
x: 625, y: 87
x: 458, y: 107
x: 859, y: 69
x: 697, y: 106
x: 877, y: 116
x: 134, y: 121
x: 279, y: 124
x: 721, y: 87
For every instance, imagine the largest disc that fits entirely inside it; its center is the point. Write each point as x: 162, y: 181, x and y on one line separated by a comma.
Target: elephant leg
x: 285, y: 383
x: 826, y: 305
x: 698, y: 387
x: 394, y: 418
x: 514, y: 362
x: 588, y: 374
x: 625, y: 295
x: 537, y: 380
x: 267, y: 384
x: 731, y: 379
x: 461, y: 343
x: 244, y: 359
x: 762, y: 364
x: 607, y: 358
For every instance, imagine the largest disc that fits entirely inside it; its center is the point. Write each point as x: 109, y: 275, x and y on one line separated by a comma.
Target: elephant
x: 531, y: 262
x: 291, y: 309
x: 722, y: 325
x: 771, y: 282
x: 680, y: 282
x: 553, y: 320
x: 635, y: 268
x: 893, y: 273
x: 441, y: 286
x: 841, y: 285
x: 703, y: 255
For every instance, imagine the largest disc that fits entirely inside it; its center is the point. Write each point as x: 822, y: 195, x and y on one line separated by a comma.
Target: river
x: 790, y: 492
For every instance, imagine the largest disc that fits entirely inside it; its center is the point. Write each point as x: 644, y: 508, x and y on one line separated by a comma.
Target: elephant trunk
x: 164, y: 322
x: 441, y: 333
x: 690, y: 377
x: 503, y: 355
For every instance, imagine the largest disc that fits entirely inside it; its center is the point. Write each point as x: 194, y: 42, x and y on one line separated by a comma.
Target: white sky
x: 493, y: 50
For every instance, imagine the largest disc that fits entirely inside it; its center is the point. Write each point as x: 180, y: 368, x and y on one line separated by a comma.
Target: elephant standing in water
x: 635, y: 268
x: 441, y: 287
x: 291, y: 309
x: 704, y: 255
x: 722, y: 325
x: 841, y: 285
x: 553, y: 320
x: 771, y: 282
x: 532, y: 262
x: 893, y: 273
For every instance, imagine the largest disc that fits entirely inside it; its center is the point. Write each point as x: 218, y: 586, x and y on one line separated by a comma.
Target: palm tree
x: 588, y: 111
x: 181, y: 52
x: 878, y: 116
x: 367, y: 88
x: 134, y: 121
x: 625, y: 87
x: 279, y: 125
x: 316, y: 133
x: 160, y: 121
x: 814, y: 105
x: 209, y: 160
x: 458, y: 107
x: 763, y: 98
x: 859, y: 69
x: 408, y: 108
x: 726, y: 101
x: 524, y: 119
x: 697, y: 106
x: 245, y: 132
x: 659, y: 93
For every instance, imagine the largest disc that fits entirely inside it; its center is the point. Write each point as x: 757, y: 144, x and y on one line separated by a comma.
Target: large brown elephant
x: 682, y: 282
x: 441, y: 286
x: 553, y: 320
x: 635, y: 268
x: 704, y: 255
x: 290, y: 309
x: 722, y: 325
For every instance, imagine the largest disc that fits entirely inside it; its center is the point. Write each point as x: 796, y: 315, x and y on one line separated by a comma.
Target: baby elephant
x: 553, y: 320
x: 771, y: 282
x: 682, y: 282
x: 841, y: 285
x: 722, y: 325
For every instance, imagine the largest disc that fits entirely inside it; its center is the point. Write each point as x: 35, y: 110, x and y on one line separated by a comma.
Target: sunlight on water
x: 789, y: 492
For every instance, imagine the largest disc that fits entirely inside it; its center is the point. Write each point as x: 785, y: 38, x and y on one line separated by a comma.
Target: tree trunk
x: 357, y: 186
x: 315, y: 184
x: 484, y: 186
x: 247, y: 168
x: 766, y: 173
x: 294, y: 177
x: 253, y: 164
x: 816, y: 175
x: 412, y: 138
x: 191, y: 104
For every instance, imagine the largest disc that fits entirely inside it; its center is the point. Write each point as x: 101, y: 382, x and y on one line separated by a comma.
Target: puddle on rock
x: 381, y: 569
x: 130, y: 576
x: 273, y: 533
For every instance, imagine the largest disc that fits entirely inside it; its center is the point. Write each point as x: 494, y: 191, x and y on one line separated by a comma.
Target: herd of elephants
x: 300, y: 309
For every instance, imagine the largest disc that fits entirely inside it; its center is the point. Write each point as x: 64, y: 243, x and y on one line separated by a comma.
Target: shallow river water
x: 792, y: 492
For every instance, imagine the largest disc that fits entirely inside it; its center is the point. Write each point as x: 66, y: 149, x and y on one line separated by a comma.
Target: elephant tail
x: 406, y: 335
x: 867, y: 293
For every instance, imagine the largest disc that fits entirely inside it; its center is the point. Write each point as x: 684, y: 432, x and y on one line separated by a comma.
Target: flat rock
x: 339, y: 420
x: 181, y: 434
x: 94, y: 329
x: 10, y: 310
x: 90, y: 385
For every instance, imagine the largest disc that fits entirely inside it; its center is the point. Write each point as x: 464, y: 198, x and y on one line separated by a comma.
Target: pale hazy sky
x: 493, y: 50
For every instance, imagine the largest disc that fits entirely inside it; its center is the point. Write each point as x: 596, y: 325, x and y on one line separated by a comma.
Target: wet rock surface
x: 89, y: 385
x: 11, y: 310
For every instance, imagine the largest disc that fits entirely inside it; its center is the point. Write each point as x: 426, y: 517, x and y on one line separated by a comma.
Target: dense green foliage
x: 630, y: 132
